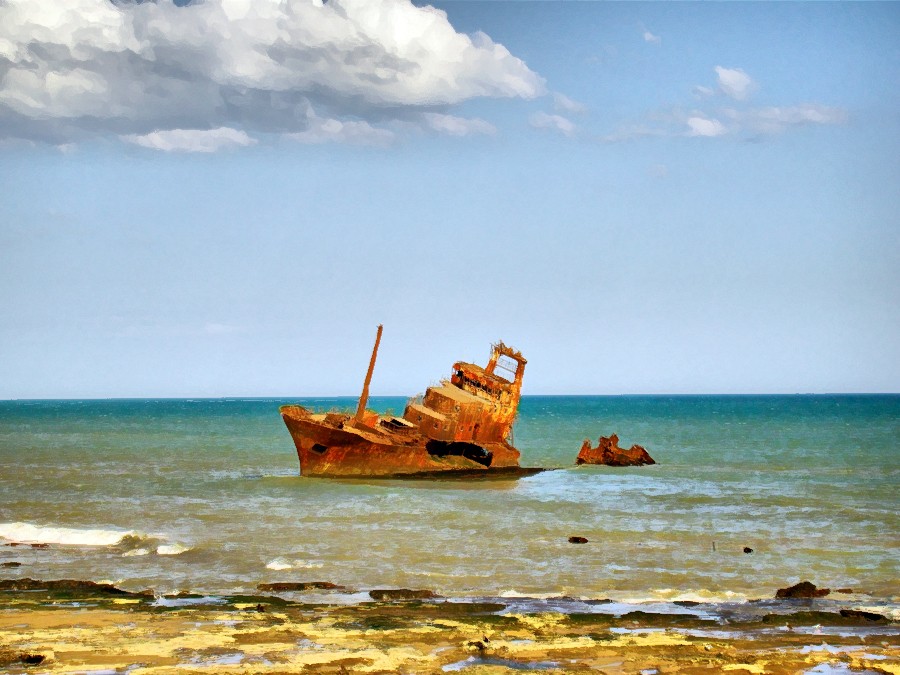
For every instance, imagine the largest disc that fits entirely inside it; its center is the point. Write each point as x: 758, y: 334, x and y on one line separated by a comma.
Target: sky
x: 225, y: 197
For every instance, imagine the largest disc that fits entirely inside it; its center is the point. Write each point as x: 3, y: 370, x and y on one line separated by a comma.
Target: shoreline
x: 84, y: 627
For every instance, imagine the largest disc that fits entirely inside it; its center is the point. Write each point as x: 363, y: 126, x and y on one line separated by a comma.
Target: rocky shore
x: 72, y: 626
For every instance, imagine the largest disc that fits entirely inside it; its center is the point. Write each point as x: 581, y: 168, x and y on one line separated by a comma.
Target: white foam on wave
x: 136, y: 543
x: 512, y: 594
x: 284, y: 564
x: 136, y: 552
x: 678, y: 595
x: 68, y: 536
x: 172, y: 549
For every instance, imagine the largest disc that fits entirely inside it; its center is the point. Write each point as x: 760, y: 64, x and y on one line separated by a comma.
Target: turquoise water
x: 205, y: 495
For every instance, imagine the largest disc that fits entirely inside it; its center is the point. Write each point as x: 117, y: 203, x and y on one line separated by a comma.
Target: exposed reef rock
x: 805, y: 589
x: 300, y: 586
x: 862, y: 614
x: 67, y: 587
x: 608, y: 453
x: 9, y: 657
x: 390, y: 594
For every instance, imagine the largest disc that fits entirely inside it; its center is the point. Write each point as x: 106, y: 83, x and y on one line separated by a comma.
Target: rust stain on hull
x: 462, y: 425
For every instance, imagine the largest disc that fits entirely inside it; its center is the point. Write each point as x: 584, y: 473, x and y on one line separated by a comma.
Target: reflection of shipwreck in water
x: 461, y: 425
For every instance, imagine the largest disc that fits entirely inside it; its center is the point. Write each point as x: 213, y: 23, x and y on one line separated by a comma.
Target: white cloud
x: 191, y: 140
x: 702, y: 92
x: 732, y: 122
x: 452, y: 125
x: 650, y: 37
x: 542, y: 120
x: 735, y: 82
x: 81, y: 67
x: 354, y: 132
x: 563, y: 103
x: 774, y: 120
x: 703, y: 126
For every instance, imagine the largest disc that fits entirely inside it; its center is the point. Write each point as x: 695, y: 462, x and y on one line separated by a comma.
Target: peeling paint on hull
x: 365, y: 452
x: 459, y: 426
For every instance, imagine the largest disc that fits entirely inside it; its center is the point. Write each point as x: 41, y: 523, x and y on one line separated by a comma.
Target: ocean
x: 205, y: 496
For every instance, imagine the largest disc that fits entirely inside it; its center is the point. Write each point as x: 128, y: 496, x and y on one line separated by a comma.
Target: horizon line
x: 356, y: 397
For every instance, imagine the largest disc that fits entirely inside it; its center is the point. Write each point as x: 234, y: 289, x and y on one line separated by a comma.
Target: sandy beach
x: 85, y: 628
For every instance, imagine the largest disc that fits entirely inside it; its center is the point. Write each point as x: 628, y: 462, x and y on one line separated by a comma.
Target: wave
x: 172, y: 549
x: 67, y: 536
x: 279, y: 564
x: 132, y: 542
x: 515, y: 595
x: 693, y: 595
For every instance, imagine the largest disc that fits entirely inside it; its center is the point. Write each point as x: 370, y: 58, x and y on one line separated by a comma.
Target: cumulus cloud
x: 739, y: 119
x: 191, y: 140
x: 542, y: 120
x: 703, y: 126
x: 354, y: 132
x: 563, y: 103
x: 735, y: 83
x: 85, y: 67
x: 452, y: 125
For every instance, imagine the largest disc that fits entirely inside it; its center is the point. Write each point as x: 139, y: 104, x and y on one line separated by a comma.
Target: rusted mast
x: 364, y: 398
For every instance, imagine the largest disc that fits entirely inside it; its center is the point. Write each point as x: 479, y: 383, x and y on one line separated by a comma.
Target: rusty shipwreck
x: 461, y: 426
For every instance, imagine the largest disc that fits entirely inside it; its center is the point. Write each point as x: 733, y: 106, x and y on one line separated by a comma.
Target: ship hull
x: 355, y: 451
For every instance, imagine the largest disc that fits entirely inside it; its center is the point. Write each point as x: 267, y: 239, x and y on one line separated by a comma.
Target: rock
x: 843, y: 590
x: 40, y: 545
x: 388, y: 594
x: 686, y: 603
x: 300, y: 586
x: 860, y: 614
x: 260, y: 608
x: 11, y: 564
x: 804, y: 589
x: 66, y: 586
x: 578, y: 540
x: 9, y: 657
x: 747, y: 549
x: 608, y: 453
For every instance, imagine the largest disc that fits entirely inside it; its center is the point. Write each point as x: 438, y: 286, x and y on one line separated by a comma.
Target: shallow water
x: 205, y: 495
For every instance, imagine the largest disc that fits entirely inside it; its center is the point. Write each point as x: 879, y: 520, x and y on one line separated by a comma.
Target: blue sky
x: 643, y: 198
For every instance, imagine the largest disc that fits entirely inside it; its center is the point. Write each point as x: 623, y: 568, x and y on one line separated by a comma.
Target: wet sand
x: 95, y: 630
